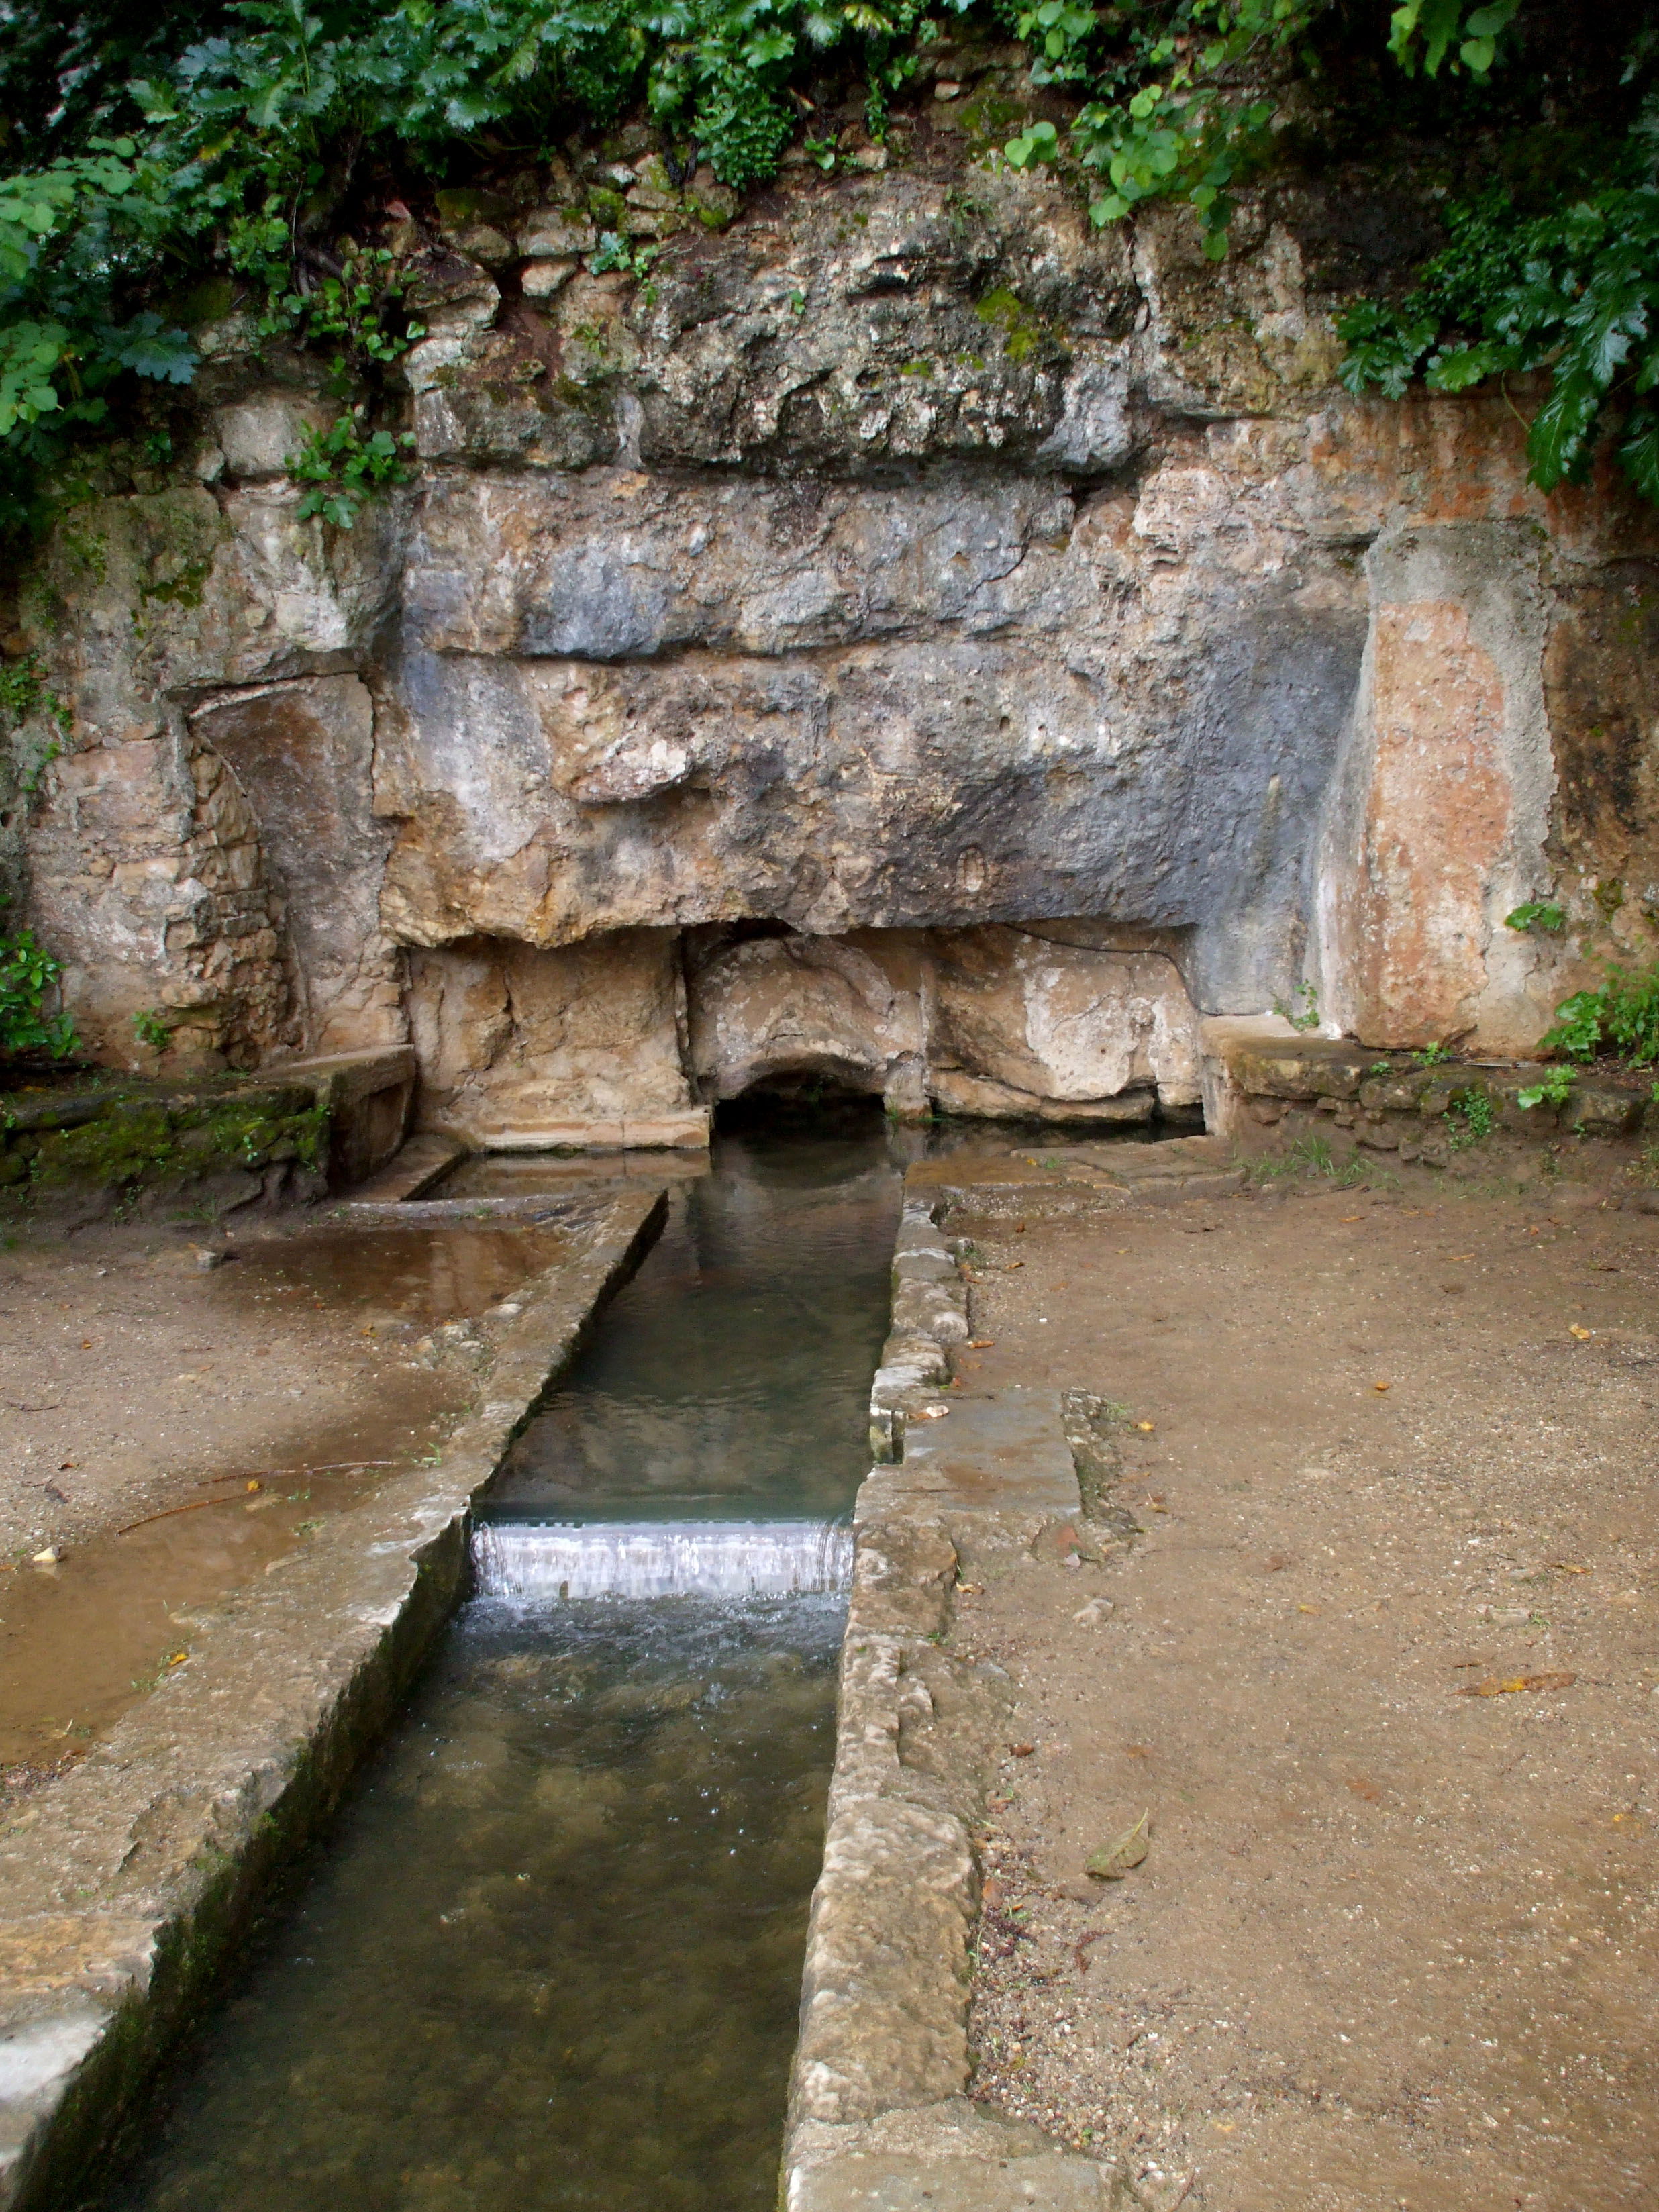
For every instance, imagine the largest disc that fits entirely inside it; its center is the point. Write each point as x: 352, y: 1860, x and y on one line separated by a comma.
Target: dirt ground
x: 180, y: 1413
x: 1383, y: 1669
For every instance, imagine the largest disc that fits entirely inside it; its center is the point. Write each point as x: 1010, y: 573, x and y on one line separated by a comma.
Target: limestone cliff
x: 913, y: 638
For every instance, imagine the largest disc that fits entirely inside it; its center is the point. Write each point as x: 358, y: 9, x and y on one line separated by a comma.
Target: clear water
x: 725, y: 1378
x: 550, y: 1955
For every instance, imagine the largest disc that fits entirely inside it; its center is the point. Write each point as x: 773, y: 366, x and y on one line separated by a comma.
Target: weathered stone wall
x: 913, y: 638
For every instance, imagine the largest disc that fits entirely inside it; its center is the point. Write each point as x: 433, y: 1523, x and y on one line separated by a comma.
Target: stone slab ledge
x: 879, y: 2117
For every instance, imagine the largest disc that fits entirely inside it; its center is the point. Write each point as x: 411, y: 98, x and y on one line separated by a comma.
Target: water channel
x: 550, y: 1955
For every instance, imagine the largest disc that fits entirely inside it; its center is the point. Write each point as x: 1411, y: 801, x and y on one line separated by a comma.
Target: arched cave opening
x: 815, y: 1098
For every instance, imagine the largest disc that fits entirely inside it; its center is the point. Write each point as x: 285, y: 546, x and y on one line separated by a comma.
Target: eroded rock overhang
x: 916, y: 642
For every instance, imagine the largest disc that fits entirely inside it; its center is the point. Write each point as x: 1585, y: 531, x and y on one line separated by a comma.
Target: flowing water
x: 550, y: 1954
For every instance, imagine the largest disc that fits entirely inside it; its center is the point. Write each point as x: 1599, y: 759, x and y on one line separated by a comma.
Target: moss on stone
x: 1024, y: 330
x: 139, y: 1142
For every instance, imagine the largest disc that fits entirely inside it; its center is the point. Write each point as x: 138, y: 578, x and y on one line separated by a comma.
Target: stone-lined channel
x: 550, y: 1955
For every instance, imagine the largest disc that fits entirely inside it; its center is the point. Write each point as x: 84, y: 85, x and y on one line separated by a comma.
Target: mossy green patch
x: 138, y: 1141
x: 1024, y: 330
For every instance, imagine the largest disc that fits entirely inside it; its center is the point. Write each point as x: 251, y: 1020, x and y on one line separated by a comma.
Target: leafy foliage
x: 1553, y: 1088
x: 1537, y: 914
x: 340, y: 466
x: 1183, y: 102
x: 29, y: 980
x: 1575, y: 291
x: 1622, y: 1016
x: 236, y: 137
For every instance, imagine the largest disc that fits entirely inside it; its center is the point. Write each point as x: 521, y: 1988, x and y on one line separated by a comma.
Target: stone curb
x: 878, y: 2114
x: 125, y: 1886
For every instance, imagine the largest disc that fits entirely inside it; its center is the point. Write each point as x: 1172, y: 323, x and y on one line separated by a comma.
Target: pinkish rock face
x: 1441, y: 809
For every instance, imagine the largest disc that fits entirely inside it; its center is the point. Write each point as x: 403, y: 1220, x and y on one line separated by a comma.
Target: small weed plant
x: 1537, y: 914
x: 152, y: 1029
x: 1554, y: 1088
x: 341, y: 467
x: 1621, y: 1018
x: 1314, y: 1155
x: 1302, y: 1011
x: 1470, y: 1118
x: 29, y: 979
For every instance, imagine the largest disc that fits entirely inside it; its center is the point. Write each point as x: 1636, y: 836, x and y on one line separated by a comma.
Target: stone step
x: 1001, y: 1451
x: 423, y: 1160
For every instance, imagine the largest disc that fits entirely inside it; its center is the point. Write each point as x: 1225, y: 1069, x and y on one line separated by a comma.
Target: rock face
x: 915, y: 641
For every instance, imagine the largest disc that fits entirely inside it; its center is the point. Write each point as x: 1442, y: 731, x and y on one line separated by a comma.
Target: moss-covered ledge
x: 70, y: 1152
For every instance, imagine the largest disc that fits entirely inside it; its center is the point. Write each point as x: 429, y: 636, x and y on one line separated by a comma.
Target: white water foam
x: 660, y: 1558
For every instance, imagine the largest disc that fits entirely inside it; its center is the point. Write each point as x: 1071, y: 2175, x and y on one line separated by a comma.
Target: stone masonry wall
x: 915, y: 638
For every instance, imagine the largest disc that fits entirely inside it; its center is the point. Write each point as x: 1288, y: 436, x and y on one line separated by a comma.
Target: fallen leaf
x: 1349, y: 1219
x: 1459, y: 1255
x: 1562, y: 1567
x: 981, y: 1343
x: 1379, y: 1386
x: 1137, y: 1751
x: 1274, y: 1562
x: 1573, y: 1329
x: 1368, y: 1790
x: 1114, y: 1860
x: 85, y: 1344
x: 1021, y: 1750
x: 1012, y: 1264
x: 1307, y: 1609
x: 1145, y: 1427
x: 1492, y: 1687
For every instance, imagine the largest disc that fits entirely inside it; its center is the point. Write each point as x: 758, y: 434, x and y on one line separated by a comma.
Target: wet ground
x: 1383, y: 1669
x: 171, y: 1431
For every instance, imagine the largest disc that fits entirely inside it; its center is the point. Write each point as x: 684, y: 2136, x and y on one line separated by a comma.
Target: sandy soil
x: 172, y: 1430
x: 1383, y: 1667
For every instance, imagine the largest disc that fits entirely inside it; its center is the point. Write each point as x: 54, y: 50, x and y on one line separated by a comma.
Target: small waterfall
x: 661, y: 1558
